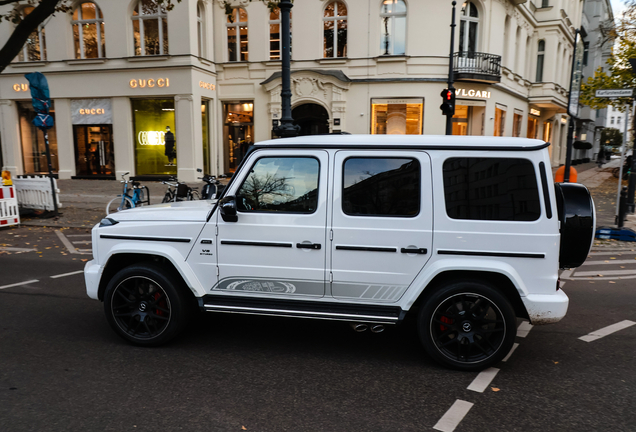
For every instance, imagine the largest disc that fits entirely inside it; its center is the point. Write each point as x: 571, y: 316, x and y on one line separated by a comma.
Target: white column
x: 123, y: 139
x: 64, y: 131
x: 10, y: 130
x: 187, y: 148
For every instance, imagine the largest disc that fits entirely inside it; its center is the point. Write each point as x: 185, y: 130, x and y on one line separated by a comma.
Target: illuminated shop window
x: 34, y: 48
x: 33, y: 146
x: 335, y: 30
x: 275, y: 40
x: 460, y: 120
x: 393, y: 27
x: 238, y: 132
x: 150, y: 28
x: 397, y: 116
x: 516, y: 124
x: 237, y: 49
x: 205, y: 109
x: 533, y: 127
x: 150, y: 119
x: 88, y: 31
x: 500, y: 121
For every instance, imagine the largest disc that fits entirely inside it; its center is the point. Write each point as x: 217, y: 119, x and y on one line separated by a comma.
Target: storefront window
x: 516, y: 125
x: 397, y: 116
x: 33, y: 146
x: 151, y: 118
x: 547, y: 131
x: 500, y: 121
x: 205, y: 107
x: 460, y: 120
x: 238, y: 132
x: 94, y: 151
x: 533, y: 127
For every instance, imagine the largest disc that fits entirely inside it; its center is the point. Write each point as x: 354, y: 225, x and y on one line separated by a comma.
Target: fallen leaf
x: 599, y: 275
x: 243, y: 427
x: 495, y: 389
x: 622, y: 266
x: 612, y: 282
x: 556, y: 362
x: 612, y: 258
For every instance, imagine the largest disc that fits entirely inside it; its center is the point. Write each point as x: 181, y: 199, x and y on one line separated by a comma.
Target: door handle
x: 308, y: 245
x: 421, y: 251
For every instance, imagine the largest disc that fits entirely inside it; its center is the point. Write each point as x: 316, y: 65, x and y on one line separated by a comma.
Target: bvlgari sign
x: 462, y: 92
x: 91, y: 111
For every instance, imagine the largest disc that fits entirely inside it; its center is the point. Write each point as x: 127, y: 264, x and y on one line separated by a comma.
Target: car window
x: 381, y: 187
x: 280, y: 184
x: 491, y: 189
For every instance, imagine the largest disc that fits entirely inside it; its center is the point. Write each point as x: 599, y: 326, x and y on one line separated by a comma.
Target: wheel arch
x: 119, y: 261
x: 499, y: 281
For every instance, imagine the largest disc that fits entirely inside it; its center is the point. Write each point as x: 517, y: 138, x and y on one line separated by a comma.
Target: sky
x: 617, y: 6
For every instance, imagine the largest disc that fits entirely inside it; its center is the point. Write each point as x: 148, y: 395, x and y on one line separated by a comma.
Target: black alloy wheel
x: 467, y: 326
x: 145, y: 305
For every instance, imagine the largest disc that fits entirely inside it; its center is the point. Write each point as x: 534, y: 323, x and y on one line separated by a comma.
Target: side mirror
x: 228, y: 209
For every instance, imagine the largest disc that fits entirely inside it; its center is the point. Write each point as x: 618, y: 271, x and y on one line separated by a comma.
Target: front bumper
x: 546, y: 308
x: 92, y: 274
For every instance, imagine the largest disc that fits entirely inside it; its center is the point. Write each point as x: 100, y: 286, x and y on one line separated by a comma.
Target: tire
x: 115, y: 204
x: 166, y: 198
x: 193, y: 195
x: 467, y: 325
x: 145, y: 305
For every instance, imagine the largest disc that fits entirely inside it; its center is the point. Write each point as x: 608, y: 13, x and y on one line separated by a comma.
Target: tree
x: 611, y: 137
x: 618, y: 74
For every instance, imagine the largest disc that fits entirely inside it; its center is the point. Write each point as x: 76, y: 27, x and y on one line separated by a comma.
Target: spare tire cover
x: 577, y: 217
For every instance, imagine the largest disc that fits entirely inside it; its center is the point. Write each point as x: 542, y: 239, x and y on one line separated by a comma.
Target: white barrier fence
x: 9, y: 214
x: 35, y: 192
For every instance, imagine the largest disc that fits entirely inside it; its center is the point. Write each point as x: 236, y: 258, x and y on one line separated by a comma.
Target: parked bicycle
x: 212, y: 188
x: 133, y: 195
x: 178, y: 191
x: 627, y: 167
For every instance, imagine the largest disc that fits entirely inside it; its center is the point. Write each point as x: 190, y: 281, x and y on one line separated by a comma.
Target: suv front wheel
x: 467, y: 325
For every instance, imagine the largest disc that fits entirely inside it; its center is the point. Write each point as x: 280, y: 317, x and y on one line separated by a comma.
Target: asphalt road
x: 63, y: 369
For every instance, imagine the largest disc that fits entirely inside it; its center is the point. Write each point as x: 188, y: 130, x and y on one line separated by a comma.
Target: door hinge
x: 331, y: 235
x: 216, y: 230
x: 330, y: 277
x: 217, y: 271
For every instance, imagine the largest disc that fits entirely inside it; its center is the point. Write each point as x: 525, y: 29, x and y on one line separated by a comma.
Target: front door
x: 382, y: 223
x: 278, y: 245
x: 94, y: 155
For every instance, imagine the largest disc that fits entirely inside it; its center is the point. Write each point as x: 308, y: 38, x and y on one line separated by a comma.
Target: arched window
x: 540, y: 55
x: 275, y: 35
x: 468, y: 28
x: 150, y: 28
x: 88, y: 31
x: 393, y: 27
x: 200, y: 29
x: 237, y: 49
x: 35, y: 47
x: 335, y: 30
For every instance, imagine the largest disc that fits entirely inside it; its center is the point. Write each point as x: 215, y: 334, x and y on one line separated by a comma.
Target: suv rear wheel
x: 467, y: 325
x: 145, y: 305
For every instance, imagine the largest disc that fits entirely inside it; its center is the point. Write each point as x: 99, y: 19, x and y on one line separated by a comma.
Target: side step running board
x: 303, y: 309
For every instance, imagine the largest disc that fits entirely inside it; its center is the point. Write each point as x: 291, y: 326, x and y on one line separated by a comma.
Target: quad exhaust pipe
x: 362, y: 327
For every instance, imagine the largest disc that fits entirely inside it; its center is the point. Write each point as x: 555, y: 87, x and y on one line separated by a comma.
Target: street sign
x: 614, y: 93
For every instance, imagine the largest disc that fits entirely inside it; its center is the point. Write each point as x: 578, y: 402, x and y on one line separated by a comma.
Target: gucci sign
x: 151, y: 137
x: 20, y: 87
x: 91, y: 111
x: 206, y: 85
x: 142, y: 83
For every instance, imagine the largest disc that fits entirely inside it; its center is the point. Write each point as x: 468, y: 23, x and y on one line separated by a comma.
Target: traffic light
x: 448, y: 102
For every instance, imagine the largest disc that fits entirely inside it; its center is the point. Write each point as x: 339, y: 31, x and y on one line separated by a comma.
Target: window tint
x: 282, y: 184
x: 381, y: 187
x: 491, y: 189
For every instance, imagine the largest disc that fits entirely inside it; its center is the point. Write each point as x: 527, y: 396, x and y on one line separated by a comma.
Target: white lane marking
x: 16, y: 249
x: 19, y: 283
x: 483, y: 380
x: 607, y: 331
x: 618, y: 252
x: 453, y: 416
x: 514, y: 347
x: 66, y: 242
x: 566, y: 274
x: 523, y: 329
x: 67, y: 274
x: 79, y: 235
x: 82, y: 241
x: 606, y: 262
x: 601, y: 273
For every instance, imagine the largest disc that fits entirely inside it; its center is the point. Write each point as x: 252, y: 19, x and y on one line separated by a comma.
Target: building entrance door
x: 312, y: 119
x: 94, y: 156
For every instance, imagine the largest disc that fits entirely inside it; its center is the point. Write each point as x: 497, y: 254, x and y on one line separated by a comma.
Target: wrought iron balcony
x: 476, y: 66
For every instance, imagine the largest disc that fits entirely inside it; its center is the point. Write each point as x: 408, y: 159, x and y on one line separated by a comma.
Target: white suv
x: 465, y: 233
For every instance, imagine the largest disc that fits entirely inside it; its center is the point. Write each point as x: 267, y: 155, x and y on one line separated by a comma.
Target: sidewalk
x: 84, y: 201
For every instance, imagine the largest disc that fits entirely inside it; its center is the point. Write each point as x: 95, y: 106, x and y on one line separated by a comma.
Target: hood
x: 182, y: 211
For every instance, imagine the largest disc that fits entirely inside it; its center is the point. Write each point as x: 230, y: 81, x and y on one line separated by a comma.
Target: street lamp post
x: 451, y: 77
x: 287, y: 128
x: 632, y: 176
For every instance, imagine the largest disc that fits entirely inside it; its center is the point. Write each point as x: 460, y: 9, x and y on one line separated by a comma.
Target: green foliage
x: 612, y: 137
x: 618, y: 73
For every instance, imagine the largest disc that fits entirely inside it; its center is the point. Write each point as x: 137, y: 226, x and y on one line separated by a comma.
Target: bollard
x: 622, y: 207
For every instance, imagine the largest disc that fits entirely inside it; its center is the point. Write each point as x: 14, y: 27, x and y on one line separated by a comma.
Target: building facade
x: 123, y: 71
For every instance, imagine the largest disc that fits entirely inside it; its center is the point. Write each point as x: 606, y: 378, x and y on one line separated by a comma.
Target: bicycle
x: 178, y: 191
x: 133, y: 195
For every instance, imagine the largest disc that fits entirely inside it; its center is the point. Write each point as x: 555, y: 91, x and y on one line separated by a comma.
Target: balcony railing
x: 476, y: 66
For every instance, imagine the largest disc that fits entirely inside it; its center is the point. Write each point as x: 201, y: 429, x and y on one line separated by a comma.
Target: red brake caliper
x: 446, y: 320
x: 162, y: 303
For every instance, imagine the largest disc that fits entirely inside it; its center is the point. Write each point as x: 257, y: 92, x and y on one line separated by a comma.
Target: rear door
x: 382, y: 222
